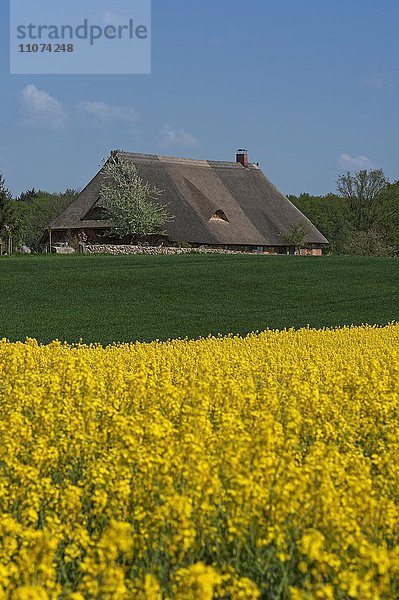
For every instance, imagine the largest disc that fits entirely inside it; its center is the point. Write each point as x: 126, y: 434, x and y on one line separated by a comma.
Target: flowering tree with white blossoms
x: 130, y: 201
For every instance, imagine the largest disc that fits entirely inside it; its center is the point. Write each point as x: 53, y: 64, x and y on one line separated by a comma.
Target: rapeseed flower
x: 255, y: 467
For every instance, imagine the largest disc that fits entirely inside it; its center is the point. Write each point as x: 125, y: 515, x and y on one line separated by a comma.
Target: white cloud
x: 355, y: 162
x: 40, y: 109
x: 109, y: 113
x: 377, y: 78
x: 376, y: 82
x: 171, y: 137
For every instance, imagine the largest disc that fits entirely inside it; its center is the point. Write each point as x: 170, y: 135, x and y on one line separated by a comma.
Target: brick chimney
x: 242, y: 157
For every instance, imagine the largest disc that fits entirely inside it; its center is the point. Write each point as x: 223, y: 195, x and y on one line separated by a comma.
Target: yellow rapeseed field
x: 264, y: 467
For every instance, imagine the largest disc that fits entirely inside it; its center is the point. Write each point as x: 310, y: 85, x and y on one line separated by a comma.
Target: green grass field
x: 105, y: 298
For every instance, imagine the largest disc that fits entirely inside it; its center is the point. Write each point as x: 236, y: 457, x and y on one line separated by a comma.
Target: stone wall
x: 119, y: 249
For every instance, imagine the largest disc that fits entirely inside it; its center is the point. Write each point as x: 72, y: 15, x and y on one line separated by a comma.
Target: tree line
x: 24, y: 219
x: 361, y: 217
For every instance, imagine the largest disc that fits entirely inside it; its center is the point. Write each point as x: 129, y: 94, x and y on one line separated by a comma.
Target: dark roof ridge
x: 184, y: 161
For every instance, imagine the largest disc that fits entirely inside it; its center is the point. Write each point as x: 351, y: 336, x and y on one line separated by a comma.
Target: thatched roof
x: 213, y: 203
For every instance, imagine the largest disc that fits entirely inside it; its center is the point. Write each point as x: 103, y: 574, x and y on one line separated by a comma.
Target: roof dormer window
x: 219, y: 215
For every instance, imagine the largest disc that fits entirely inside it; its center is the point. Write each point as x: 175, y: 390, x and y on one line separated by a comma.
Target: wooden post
x: 49, y: 239
x: 7, y: 228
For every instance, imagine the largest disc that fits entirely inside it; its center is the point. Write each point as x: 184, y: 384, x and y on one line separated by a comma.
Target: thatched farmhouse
x: 230, y: 205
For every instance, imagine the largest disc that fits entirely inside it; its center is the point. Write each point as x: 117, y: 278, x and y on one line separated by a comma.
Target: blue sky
x: 310, y: 88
